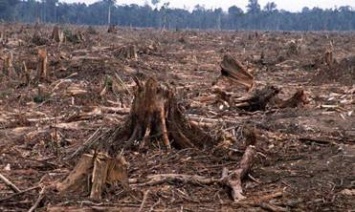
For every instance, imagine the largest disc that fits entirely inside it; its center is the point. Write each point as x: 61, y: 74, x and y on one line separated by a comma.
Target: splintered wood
x: 233, y: 70
x: 101, y: 169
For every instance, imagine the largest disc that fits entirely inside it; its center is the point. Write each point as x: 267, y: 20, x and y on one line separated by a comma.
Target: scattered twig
x: 19, y: 193
x: 163, y: 178
x: 145, y: 197
x: 10, y: 184
x: 271, y: 207
x: 324, y: 141
x: 39, y: 199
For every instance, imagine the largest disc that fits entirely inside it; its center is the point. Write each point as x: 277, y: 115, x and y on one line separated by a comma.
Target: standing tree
x: 110, y: 3
x: 234, y: 13
x: 270, y: 7
x: 253, y: 7
x: 6, y: 7
x: 253, y: 18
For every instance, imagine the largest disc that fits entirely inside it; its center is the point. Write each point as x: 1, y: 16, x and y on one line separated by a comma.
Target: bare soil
x: 307, y: 154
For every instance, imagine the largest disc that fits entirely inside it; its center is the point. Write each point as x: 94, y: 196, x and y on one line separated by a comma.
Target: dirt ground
x: 306, y: 155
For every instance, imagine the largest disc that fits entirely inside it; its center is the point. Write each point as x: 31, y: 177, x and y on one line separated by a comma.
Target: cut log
x: 233, y: 70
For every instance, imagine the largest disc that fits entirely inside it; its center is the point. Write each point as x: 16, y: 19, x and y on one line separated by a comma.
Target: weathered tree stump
x: 58, y: 35
x: 126, y: 52
x: 42, y: 66
x: 155, y: 116
x: 112, y: 29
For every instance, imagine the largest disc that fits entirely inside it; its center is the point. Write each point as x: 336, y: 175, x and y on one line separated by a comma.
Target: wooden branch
x: 234, y: 180
x: 9, y: 184
x: 164, y: 178
x: 255, y: 201
x: 19, y: 193
x: 145, y: 197
x: 39, y: 199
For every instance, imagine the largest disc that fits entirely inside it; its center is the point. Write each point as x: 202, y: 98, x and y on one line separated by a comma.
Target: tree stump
x: 236, y: 72
x: 155, y: 116
x: 58, y: 35
x: 42, y: 66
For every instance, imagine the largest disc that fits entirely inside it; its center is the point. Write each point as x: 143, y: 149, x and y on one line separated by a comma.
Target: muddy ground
x: 306, y: 155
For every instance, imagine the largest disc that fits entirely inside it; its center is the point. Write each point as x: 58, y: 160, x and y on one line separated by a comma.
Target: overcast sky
x: 225, y: 4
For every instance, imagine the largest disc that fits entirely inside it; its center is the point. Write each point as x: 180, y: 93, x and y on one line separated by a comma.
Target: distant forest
x: 161, y: 15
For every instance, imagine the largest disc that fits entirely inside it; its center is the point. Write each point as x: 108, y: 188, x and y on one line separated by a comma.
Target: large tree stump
x: 155, y: 116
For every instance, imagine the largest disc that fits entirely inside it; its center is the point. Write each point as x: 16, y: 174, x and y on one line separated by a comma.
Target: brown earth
x: 306, y: 155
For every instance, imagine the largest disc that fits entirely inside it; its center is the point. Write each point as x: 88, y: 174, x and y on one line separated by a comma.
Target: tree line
x: 256, y: 17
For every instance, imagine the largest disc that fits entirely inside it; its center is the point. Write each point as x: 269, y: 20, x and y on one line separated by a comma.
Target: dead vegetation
x: 141, y: 119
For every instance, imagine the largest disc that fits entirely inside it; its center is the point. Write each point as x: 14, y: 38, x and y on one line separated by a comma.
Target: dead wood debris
x: 234, y: 180
x: 42, y: 70
x: 299, y: 98
x: 233, y: 70
x: 101, y: 168
x: 126, y: 52
x: 257, y: 100
x: 17, y: 194
x: 112, y: 29
x: 154, y: 112
x: 9, y: 184
x: 38, y: 201
x: 58, y: 35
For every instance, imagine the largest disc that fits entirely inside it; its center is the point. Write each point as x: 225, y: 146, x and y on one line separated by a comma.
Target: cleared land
x: 305, y: 154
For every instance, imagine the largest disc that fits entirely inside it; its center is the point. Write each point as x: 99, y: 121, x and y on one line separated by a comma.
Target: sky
x: 288, y: 5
